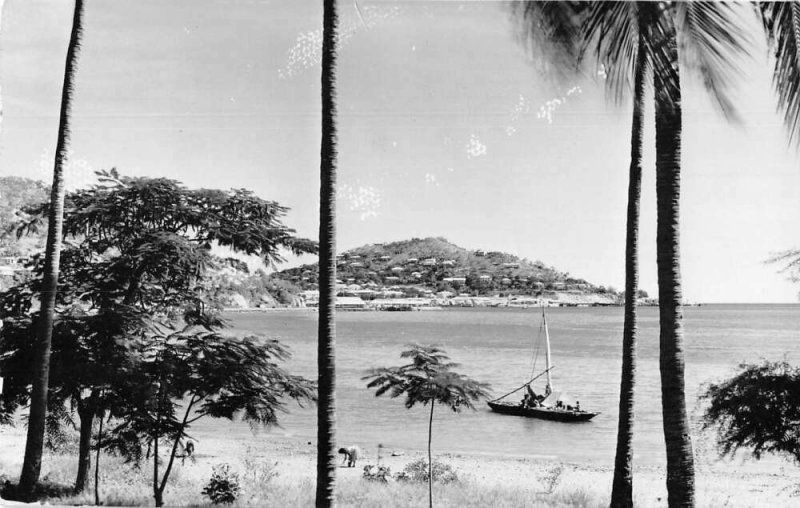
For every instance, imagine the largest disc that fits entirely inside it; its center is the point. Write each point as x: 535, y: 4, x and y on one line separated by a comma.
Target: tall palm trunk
x: 622, y: 485
x: 326, y: 347
x: 32, y: 463
x: 680, y: 462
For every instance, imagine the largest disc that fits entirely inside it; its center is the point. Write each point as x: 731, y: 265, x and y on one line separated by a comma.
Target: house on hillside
x: 397, y: 269
x: 428, y: 262
x: 485, y: 278
x: 411, y: 260
x: 385, y: 258
x: 455, y: 280
x: 510, y: 265
x: 449, y: 262
x: 350, y: 303
x: 416, y: 275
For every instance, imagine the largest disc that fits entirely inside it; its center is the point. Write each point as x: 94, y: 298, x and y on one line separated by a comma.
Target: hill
x: 434, y: 265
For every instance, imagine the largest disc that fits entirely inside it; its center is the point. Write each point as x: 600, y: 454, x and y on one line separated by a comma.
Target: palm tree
x: 618, y: 30
x: 428, y: 379
x: 710, y: 37
x: 32, y: 463
x: 709, y: 33
x: 326, y: 347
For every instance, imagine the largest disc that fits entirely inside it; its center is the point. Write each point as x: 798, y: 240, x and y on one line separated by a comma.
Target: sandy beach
x: 292, y: 464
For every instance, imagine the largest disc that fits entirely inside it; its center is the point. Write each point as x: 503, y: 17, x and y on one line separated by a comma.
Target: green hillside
x: 438, y: 265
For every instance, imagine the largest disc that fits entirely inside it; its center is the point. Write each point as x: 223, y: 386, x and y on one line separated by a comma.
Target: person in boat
x: 577, y: 405
x: 533, y: 399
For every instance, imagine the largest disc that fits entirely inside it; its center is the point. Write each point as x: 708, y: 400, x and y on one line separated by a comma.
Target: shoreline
x: 294, y: 463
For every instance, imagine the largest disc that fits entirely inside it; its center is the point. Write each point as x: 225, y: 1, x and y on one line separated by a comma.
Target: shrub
x: 380, y: 474
x: 551, y: 477
x: 417, y: 471
x: 223, y: 487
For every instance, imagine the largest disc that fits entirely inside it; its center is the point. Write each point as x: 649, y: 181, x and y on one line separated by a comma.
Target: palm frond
x: 712, y: 42
x: 781, y: 22
x: 550, y: 33
x: 611, y: 32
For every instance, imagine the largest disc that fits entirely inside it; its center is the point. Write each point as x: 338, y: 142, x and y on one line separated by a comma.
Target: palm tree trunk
x: 680, y: 461
x: 326, y: 340
x: 430, y: 459
x: 32, y: 464
x: 622, y: 485
x: 86, y: 410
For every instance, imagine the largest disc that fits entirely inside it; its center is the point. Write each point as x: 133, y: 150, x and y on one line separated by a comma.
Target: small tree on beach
x: 757, y: 409
x: 190, y: 373
x: 428, y: 379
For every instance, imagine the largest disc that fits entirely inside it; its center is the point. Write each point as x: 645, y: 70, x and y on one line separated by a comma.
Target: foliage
x: 757, y: 409
x: 220, y: 376
x: 551, y: 477
x: 17, y: 193
x: 137, y: 256
x: 417, y: 471
x: 223, y: 487
x: 427, y: 379
x: 381, y: 474
x: 790, y: 259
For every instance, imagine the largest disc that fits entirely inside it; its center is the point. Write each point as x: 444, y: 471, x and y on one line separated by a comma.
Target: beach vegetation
x: 420, y: 471
x: 758, y: 410
x: 223, y: 487
x: 133, y: 264
x: 428, y: 379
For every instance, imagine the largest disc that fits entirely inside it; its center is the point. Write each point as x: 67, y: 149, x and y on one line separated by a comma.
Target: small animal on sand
x: 350, y: 455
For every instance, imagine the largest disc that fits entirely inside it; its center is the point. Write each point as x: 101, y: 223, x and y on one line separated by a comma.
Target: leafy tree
x: 219, y: 376
x: 134, y: 254
x: 32, y: 463
x: 428, y: 379
x: 326, y: 333
x: 757, y: 409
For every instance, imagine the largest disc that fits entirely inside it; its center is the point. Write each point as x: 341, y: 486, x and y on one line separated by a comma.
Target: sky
x: 447, y: 127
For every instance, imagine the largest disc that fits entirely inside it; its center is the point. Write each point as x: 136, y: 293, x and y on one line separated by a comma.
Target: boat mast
x: 549, y: 388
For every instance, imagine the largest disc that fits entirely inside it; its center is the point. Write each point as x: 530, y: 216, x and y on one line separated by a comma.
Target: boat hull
x: 543, y: 413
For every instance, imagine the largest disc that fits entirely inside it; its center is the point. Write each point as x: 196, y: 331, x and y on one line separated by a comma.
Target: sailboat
x: 547, y: 407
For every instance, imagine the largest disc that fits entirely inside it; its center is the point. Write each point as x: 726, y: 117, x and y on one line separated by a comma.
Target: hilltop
x: 429, y: 266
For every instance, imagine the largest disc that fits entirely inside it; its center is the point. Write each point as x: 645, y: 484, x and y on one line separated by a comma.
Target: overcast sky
x: 447, y: 129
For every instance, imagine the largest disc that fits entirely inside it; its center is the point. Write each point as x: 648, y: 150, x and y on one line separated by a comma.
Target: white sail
x: 549, y: 389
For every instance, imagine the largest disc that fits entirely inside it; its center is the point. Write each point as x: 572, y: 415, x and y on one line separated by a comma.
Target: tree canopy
x: 757, y: 409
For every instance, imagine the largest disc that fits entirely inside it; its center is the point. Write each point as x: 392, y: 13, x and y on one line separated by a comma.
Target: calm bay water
x: 496, y: 346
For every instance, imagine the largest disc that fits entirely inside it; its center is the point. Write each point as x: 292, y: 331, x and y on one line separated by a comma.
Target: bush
x: 417, y: 471
x: 223, y: 487
x: 377, y: 473
x: 551, y: 477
